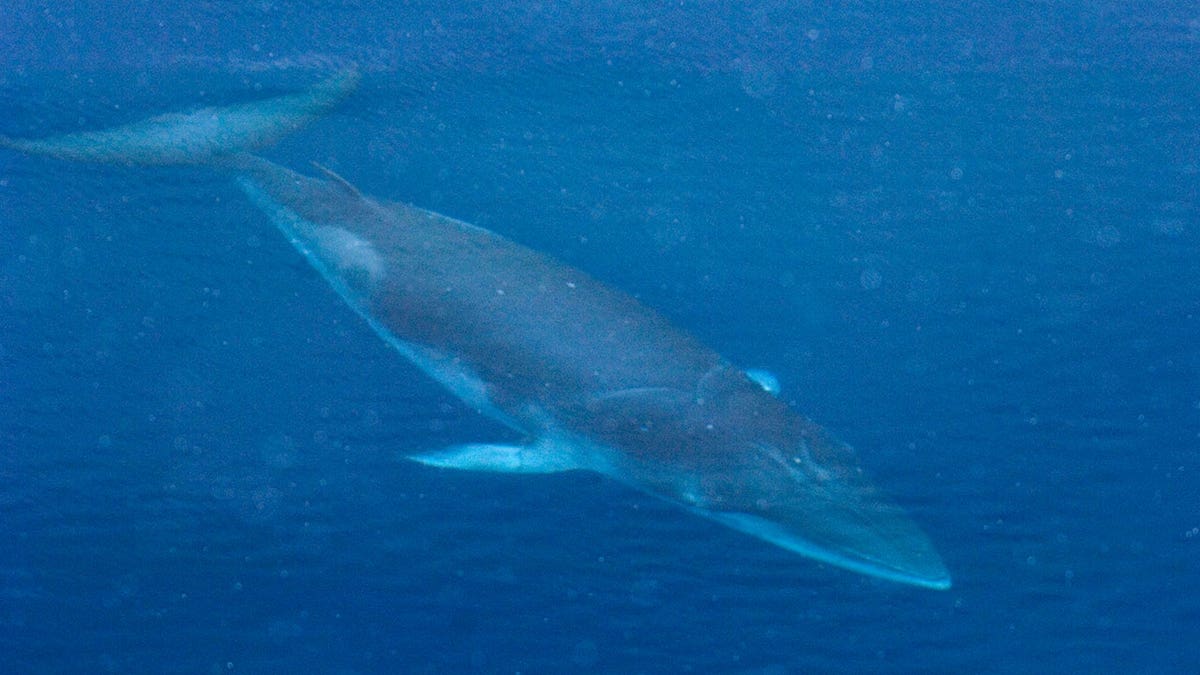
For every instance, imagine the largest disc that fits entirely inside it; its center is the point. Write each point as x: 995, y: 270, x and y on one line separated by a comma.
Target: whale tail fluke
x: 205, y: 136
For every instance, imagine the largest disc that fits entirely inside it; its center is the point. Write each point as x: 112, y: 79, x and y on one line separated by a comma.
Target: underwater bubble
x: 585, y: 654
x: 1171, y: 227
x: 759, y: 81
x: 1108, y: 236
x: 646, y: 592
x: 279, y: 451
x: 870, y: 279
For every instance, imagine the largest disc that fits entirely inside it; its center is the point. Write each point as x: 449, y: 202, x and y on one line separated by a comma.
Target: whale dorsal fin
x: 336, y: 178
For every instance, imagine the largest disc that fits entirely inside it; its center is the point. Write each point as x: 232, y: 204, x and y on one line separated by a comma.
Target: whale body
x: 593, y: 379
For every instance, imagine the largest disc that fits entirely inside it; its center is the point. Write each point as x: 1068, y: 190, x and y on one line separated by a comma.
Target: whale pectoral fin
x: 540, y: 457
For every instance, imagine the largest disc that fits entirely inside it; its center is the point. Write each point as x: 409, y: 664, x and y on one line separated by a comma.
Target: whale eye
x: 812, y: 468
x: 792, y: 464
x: 798, y: 462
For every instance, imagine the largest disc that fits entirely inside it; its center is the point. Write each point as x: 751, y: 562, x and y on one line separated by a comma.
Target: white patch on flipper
x: 765, y: 379
x: 547, y: 455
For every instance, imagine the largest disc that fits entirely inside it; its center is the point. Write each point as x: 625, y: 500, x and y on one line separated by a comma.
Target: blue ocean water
x: 964, y: 240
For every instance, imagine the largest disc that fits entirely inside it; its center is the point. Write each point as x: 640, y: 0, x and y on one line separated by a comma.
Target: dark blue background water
x: 965, y: 240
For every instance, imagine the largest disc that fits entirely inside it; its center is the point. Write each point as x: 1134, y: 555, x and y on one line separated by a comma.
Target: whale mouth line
x: 915, y: 565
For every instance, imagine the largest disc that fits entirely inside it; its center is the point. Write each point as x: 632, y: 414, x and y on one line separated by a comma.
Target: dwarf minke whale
x: 591, y: 378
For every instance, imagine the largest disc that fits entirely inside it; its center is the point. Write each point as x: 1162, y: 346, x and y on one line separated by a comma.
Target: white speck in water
x: 1108, y: 236
x: 585, y: 654
x: 870, y: 279
x: 759, y: 81
x: 1171, y: 227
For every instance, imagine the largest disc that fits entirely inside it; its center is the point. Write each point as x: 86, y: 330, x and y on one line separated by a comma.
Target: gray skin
x: 594, y: 379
